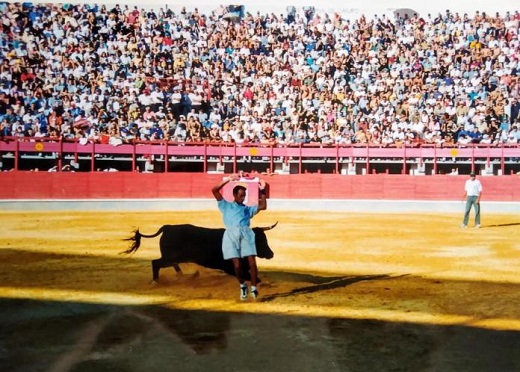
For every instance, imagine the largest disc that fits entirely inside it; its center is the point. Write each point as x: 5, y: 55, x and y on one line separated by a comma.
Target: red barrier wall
x: 95, y: 185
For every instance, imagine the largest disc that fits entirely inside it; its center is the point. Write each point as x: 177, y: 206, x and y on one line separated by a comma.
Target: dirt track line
x: 83, y: 346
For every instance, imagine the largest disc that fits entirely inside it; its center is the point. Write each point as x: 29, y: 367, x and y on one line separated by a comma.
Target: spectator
x: 121, y: 64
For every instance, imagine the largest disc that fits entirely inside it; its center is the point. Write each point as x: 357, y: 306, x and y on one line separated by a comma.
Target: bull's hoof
x: 193, y: 275
x: 153, y: 282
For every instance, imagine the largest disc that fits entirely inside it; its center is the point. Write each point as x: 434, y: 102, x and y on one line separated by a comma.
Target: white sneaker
x: 463, y: 226
x: 477, y: 226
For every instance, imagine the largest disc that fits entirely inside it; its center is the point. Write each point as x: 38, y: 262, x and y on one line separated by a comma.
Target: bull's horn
x: 270, y: 227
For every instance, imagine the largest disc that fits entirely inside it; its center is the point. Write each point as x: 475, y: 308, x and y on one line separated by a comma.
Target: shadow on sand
x: 41, y: 335
x: 319, y: 283
x: 501, y: 225
x: 72, y: 336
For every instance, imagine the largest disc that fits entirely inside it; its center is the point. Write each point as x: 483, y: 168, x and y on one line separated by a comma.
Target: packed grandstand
x: 117, y: 74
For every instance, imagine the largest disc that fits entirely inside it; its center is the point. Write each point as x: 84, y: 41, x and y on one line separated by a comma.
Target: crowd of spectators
x: 119, y: 74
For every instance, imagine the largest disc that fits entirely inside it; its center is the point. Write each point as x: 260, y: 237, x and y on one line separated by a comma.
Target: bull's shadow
x: 319, y: 283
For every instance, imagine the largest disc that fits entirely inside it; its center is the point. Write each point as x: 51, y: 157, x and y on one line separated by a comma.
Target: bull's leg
x: 177, y: 268
x: 156, y: 266
x: 179, y: 271
x: 159, y: 264
x: 175, y: 265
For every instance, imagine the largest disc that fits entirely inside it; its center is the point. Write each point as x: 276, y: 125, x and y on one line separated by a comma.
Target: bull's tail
x: 137, y: 240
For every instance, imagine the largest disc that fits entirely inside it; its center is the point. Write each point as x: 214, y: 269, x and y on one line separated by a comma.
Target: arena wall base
x: 173, y: 205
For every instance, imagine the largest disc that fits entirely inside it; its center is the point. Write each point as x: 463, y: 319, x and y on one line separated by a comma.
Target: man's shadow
x: 319, y: 283
x: 501, y: 225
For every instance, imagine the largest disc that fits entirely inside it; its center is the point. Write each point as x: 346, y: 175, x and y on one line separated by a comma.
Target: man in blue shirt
x: 239, y: 239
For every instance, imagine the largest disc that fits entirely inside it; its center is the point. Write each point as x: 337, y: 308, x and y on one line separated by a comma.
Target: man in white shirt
x: 472, y: 194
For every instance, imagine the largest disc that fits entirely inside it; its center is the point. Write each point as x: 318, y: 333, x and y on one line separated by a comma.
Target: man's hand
x: 231, y: 177
x: 262, y: 202
x: 234, y: 177
x: 216, y: 189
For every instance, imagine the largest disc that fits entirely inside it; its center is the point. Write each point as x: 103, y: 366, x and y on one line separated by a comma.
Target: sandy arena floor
x: 344, y: 292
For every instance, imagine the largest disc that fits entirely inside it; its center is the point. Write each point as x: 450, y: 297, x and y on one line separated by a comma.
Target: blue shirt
x: 235, y: 214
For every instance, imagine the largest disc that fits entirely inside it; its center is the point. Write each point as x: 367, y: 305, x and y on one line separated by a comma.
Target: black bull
x: 199, y: 245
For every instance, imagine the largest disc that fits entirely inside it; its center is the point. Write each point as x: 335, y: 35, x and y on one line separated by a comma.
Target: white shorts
x: 238, y: 242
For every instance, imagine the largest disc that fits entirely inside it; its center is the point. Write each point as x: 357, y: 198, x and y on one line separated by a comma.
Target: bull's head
x: 262, y: 247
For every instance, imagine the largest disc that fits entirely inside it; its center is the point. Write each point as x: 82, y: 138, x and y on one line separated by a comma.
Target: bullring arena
x: 365, y: 285
x: 371, y: 272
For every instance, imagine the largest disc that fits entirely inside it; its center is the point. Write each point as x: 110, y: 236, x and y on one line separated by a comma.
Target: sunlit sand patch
x: 489, y: 276
x: 503, y: 265
x: 110, y: 298
x: 461, y: 252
